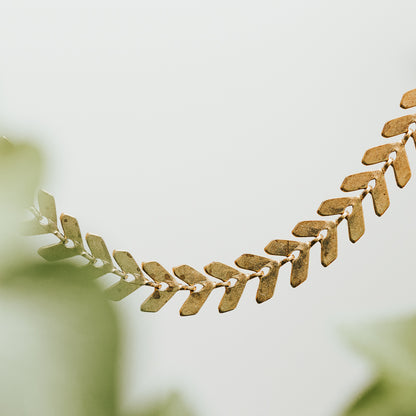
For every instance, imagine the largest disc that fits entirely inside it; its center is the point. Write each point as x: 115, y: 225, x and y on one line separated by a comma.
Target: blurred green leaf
x: 384, y: 398
x: 391, y: 347
x: 59, y: 344
x: 20, y: 170
x: 172, y: 405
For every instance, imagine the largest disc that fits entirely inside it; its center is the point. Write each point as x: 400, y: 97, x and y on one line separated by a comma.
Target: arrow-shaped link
x: 232, y: 294
x: 379, y: 192
x: 99, y: 251
x: 267, y: 282
x: 398, y: 125
x: 47, y: 209
x: 300, y: 264
x: 196, y: 298
x: 128, y: 265
x: 400, y: 164
x: 63, y: 250
x: 355, y: 219
x: 329, y: 243
x: 159, y: 297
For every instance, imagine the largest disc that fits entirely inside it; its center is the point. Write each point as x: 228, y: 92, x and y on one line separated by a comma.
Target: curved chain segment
x: 232, y: 294
x: 355, y: 219
x: 71, y: 243
x: 267, y: 282
x: 300, y: 264
x: 400, y: 164
x: 329, y: 243
x: 379, y: 192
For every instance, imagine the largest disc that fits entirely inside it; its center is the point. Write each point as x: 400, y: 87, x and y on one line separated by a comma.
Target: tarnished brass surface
x: 398, y: 125
x: 232, y: 294
x: 300, y: 264
x: 267, y: 281
x: 400, y: 164
x: 355, y: 218
x: 72, y: 246
x: 379, y: 192
x: 159, y: 297
x: 409, y: 99
x: 196, y: 297
x: 329, y: 243
x: 220, y: 275
x: 128, y: 265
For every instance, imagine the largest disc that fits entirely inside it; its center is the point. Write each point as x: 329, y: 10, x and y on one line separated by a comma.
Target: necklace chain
x: 266, y: 269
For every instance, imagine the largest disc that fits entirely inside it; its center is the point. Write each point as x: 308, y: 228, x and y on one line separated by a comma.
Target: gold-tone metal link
x: 128, y: 266
x: 196, y: 298
x: 257, y: 274
x: 47, y: 206
x: 329, y: 244
x: 72, y: 246
x: 232, y: 294
x: 187, y: 287
x: 355, y: 220
x: 99, y: 252
x: 300, y: 264
x: 267, y: 282
x: 47, y: 211
x: 159, y: 297
x: 398, y: 125
x: 379, y: 193
x: 400, y: 164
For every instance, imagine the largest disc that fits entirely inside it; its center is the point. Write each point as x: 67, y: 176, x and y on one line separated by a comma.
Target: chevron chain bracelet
x: 234, y: 279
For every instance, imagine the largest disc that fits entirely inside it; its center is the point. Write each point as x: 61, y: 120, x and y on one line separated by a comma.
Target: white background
x: 190, y: 131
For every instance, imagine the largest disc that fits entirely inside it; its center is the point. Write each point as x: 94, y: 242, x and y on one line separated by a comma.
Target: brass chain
x: 200, y: 286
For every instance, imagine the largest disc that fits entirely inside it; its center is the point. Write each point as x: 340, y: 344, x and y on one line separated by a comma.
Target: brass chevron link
x: 48, y: 221
x: 165, y: 285
x: 379, y: 192
x: 196, y: 298
x: 329, y: 243
x: 400, y: 164
x: 300, y: 264
x: 128, y: 265
x: 159, y: 297
x: 232, y: 294
x: 355, y: 219
x: 73, y: 246
x: 268, y: 281
x: 398, y: 126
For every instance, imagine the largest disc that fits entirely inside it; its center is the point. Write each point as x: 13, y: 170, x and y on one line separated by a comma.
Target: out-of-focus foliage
x: 391, y: 348
x: 172, y: 405
x: 59, y: 346
x: 20, y: 170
